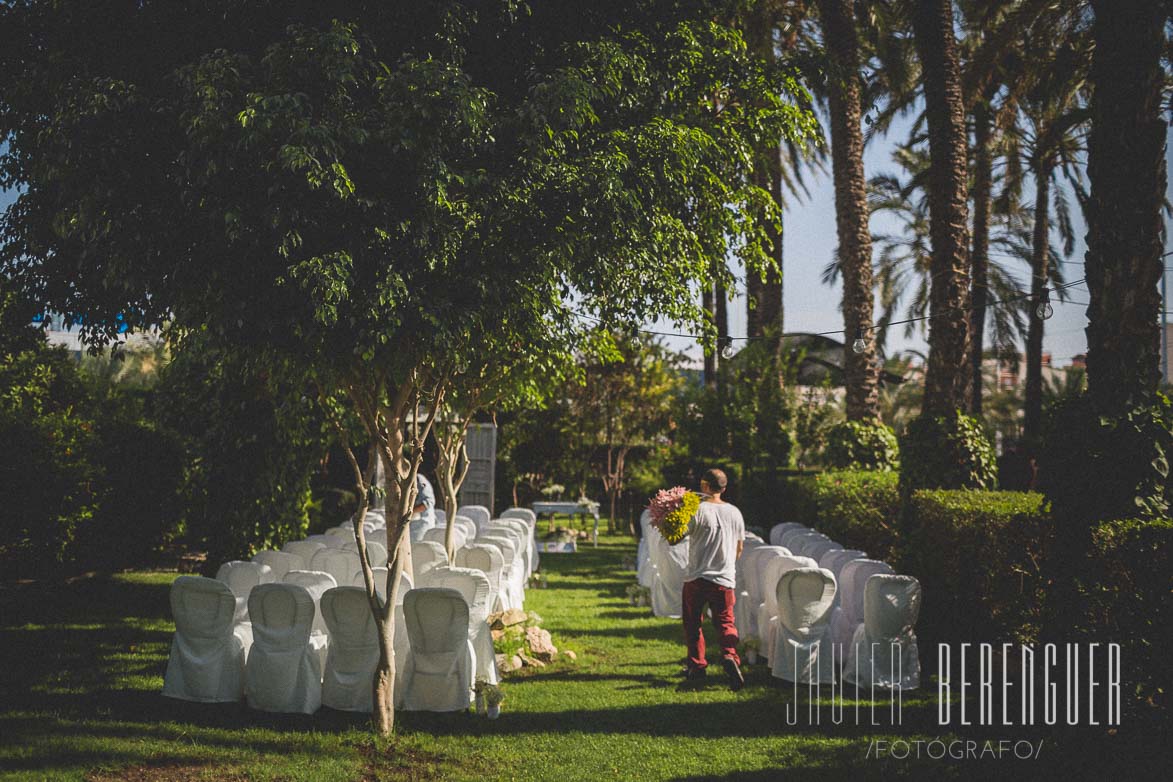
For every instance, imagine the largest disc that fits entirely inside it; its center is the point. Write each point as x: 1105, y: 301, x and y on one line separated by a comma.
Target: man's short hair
x: 715, y: 478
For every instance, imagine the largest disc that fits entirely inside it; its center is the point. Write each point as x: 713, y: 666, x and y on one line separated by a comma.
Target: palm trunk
x: 851, y: 209
x: 947, y: 379
x: 1033, y: 414
x: 982, y: 194
x: 1126, y: 167
x: 721, y: 311
x: 764, y: 295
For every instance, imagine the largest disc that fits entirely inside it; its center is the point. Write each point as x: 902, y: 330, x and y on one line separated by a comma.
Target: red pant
x: 720, y: 600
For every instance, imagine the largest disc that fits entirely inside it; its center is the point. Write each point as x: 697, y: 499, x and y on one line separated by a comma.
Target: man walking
x: 716, y: 535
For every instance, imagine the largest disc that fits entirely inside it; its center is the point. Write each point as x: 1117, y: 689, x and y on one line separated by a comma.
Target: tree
x: 352, y: 201
x: 851, y: 208
x: 946, y: 384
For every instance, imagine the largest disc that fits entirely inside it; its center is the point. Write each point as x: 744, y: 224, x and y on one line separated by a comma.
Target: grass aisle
x: 82, y: 664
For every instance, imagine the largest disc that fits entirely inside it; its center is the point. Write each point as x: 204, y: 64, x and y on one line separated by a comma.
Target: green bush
x: 978, y: 556
x: 1129, y: 599
x: 861, y: 445
x: 860, y: 509
x: 946, y: 452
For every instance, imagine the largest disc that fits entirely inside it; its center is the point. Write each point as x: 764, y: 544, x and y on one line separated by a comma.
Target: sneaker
x: 694, y: 674
x: 733, y: 670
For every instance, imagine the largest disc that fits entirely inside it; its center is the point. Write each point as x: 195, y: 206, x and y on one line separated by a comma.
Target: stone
x: 540, y: 644
x: 497, y: 635
x: 533, y: 661
x: 571, y: 655
x: 516, y: 662
x: 502, y: 619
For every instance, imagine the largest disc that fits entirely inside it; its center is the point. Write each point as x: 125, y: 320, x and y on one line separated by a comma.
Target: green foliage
x: 859, y: 508
x: 1095, y: 467
x: 1128, y: 588
x: 978, y: 556
x: 256, y: 440
x: 862, y: 445
x: 946, y: 452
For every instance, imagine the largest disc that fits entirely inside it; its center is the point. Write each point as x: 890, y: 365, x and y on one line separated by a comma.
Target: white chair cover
x: 468, y: 525
x: 441, y: 516
x: 427, y: 554
x: 848, y: 613
x: 524, y: 538
x: 316, y: 583
x: 790, y: 536
x: 800, y: 543
x: 376, y: 554
x: 771, y: 573
x: 305, y: 549
x: 378, y: 536
x: 745, y: 611
x: 883, y: 652
x: 817, y: 548
x: 318, y: 539
x: 354, y: 650
x: 645, y: 572
x: 207, y: 658
x: 279, y: 562
x: 525, y: 514
x: 749, y: 535
x: 778, y: 530
x: 478, y: 513
x: 241, y: 577
x: 671, y: 562
x: 417, y: 527
x: 836, y: 558
x: 486, y: 558
x: 802, y: 649
x: 439, y: 676
x: 473, y: 585
x: 336, y: 537
x: 513, y: 567
x: 440, y: 535
x: 284, y: 669
x: 400, y: 645
x: 340, y: 563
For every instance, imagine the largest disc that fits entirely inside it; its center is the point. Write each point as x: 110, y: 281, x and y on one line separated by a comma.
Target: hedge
x: 978, y: 556
x: 858, y: 508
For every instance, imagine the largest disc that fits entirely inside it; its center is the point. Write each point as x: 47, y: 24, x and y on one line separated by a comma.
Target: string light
x: 726, y: 348
x: 1044, y: 310
x: 860, y: 344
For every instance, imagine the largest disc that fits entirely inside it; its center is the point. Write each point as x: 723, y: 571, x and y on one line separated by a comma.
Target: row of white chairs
x: 306, y: 658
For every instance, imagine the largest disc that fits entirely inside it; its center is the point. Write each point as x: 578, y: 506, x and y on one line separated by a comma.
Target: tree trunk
x: 763, y: 297
x: 851, y: 209
x: 1032, y: 421
x: 1126, y: 167
x: 710, y: 372
x: 946, y: 377
x: 983, y: 179
x: 721, y: 311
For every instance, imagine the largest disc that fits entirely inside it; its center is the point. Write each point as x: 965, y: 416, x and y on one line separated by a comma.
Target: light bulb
x: 727, y: 350
x: 1044, y: 311
x: 859, y: 346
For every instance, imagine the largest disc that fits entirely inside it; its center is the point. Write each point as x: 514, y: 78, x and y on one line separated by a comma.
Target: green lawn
x: 82, y: 668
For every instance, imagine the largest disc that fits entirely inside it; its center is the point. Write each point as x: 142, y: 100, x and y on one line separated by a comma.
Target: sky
x: 809, y: 241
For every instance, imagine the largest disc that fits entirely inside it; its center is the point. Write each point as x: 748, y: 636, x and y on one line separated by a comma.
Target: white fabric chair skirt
x: 207, y: 658
x: 284, y: 669
x: 671, y: 562
x: 354, y: 650
x: 439, y: 676
x: 802, y: 649
x: 883, y: 651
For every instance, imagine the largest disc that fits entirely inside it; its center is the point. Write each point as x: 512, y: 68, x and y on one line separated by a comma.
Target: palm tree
x: 946, y: 382
x: 851, y: 209
x: 1126, y: 167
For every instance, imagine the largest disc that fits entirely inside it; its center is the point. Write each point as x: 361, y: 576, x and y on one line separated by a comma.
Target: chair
x: 815, y: 549
x: 849, y: 612
x: 440, y: 535
x: 770, y: 572
x: 883, y: 652
x: 473, y: 586
x: 427, y: 554
x: 645, y: 572
x: 835, y: 559
x: 439, y: 676
x: 207, y: 657
x: 479, y: 514
x: 339, y: 563
x: 279, y: 562
x: 305, y: 549
x: 745, y: 610
x: 778, y: 530
x: 354, y: 650
x: 468, y: 525
x: 316, y: 583
x: 241, y: 577
x: 790, y: 536
x: 525, y: 514
x: 486, y: 558
x: 323, y: 539
x: 671, y: 562
x: 417, y: 527
x: 378, y: 536
x: 441, y: 516
x: 376, y: 554
x: 513, y: 567
x: 284, y: 669
x: 800, y: 543
x: 522, y: 534
x: 803, y: 652
x: 336, y: 537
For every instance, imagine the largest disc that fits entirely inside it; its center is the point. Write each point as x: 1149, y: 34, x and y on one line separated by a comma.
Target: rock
x: 516, y: 662
x: 540, y: 644
x: 571, y: 655
x: 535, y: 662
x: 502, y: 619
x: 497, y: 635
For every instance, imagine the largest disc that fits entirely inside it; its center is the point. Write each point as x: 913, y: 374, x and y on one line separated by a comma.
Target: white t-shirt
x: 713, y: 535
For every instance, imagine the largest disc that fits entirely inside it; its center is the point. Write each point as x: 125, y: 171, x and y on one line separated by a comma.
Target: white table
x: 570, y: 509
